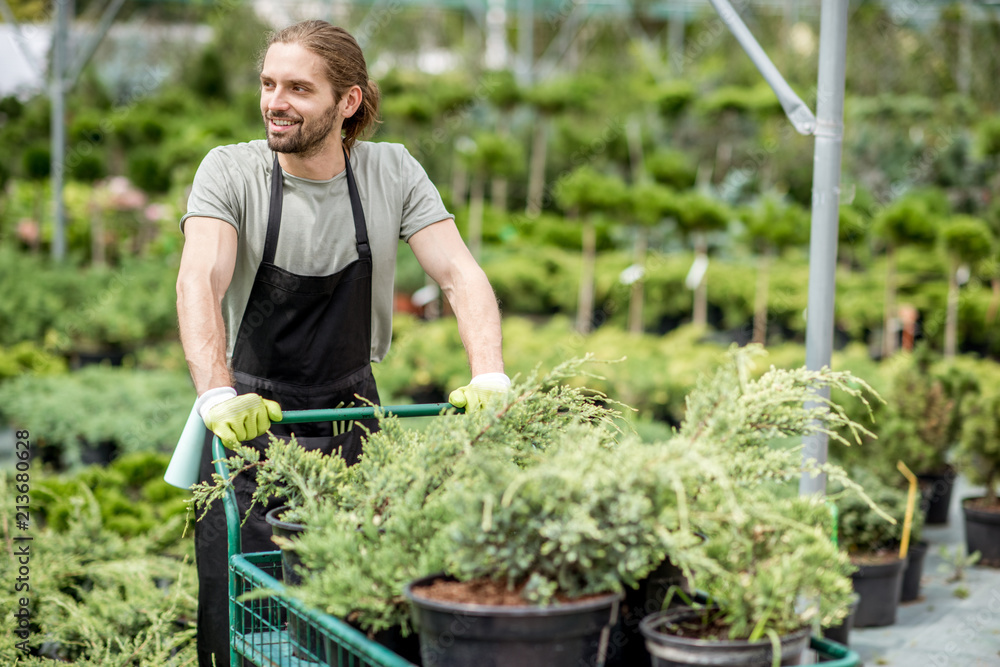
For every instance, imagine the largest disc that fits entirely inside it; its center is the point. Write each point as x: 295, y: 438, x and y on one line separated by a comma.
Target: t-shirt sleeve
x: 422, y: 205
x: 213, y: 192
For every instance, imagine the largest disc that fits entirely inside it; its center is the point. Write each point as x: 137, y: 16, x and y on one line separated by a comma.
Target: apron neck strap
x: 274, y: 212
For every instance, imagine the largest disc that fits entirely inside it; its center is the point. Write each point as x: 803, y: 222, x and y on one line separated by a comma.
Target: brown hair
x: 345, y: 67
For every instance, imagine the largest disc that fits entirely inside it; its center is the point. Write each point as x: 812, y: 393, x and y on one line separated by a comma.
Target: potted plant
x: 539, y: 555
x: 591, y: 517
x: 920, y: 424
x: 542, y: 501
x: 872, y: 541
x: 979, y: 458
x: 768, y: 575
x: 371, y: 528
x: 770, y: 568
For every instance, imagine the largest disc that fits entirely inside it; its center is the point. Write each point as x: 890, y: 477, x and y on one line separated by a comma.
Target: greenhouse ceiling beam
x: 107, y: 17
x: 561, y: 44
x: 22, y: 44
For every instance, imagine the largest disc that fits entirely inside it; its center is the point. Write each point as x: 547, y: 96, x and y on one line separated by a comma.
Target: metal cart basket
x: 279, y: 631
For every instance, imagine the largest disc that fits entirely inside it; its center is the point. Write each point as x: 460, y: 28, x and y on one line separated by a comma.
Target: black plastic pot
x: 286, y: 529
x: 100, y: 453
x: 842, y: 633
x: 571, y: 634
x: 982, y: 533
x: 627, y: 647
x: 668, y: 650
x: 879, y: 587
x: 913, y: 571
x: 306, y: 643
x: 936, y: 499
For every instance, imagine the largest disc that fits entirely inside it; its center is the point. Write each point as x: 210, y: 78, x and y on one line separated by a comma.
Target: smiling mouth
x: 281, y: 124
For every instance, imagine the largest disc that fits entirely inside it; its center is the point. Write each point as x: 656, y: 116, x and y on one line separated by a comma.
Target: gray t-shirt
x: 317, y: 231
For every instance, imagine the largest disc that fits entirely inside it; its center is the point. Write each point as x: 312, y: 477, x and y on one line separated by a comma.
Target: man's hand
x: 480, y: 391
x: 236, y: 418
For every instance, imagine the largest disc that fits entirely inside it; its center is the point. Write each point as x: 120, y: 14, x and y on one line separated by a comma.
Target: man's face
x: 296, y: 101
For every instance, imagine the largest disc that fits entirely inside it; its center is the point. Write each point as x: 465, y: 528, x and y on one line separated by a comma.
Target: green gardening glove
x: 237, y: 418
x: 480, y: 391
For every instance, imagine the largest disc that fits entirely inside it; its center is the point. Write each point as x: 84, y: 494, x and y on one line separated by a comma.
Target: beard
x: 308, y: 136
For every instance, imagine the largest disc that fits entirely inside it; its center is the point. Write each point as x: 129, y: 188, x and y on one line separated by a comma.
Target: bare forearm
x: 203, y: 335
x: 478, y: 318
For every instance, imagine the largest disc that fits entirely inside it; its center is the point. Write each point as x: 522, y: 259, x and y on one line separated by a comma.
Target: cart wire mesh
x: 270, y: 628
x: 278, y: 631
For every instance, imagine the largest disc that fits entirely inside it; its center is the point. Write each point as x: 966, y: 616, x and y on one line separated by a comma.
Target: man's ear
x: 351, y: 101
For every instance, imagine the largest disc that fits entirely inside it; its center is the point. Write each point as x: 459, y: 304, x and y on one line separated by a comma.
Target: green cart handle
x: 365, y: 412
x: 230, y: 507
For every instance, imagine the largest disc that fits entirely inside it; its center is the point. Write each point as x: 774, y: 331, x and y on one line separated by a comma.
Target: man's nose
x: 277, y: 99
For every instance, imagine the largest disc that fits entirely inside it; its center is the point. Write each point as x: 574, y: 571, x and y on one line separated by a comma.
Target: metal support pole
x: 825, y: 210
x: 796, y: 110
x: 57, y: 91
x: 526, y: 42
x: 107, y: 17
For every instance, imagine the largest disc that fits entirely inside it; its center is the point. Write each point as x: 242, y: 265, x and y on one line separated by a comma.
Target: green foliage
x: 147, y: 170
x: 36, y: 162
x: 587, y: 519
x: 99, y: 599
x: 87, y: 168
x: 85, y: 128
x: 671, y: 168
x: 66, y: 307
x: 920, y: 421
x: 907, y: 220
x: 772, y: 567
x: 673, y: 97
x: 862, y: 531
x: 537, y: 491
x: 760, y: 98
x: 701, y: 213
x: 502, y: 89
x: 495, y: 155
x: 587, y: 191
x: 967, y: 239
x: 989, y: 136
x: 651, y: 203
x: 209, y: 79
x: 556, y: 96
x: 28, y: 357
x: 918, y: 424
x: 130, y: 492
x: 136, y: 410
x: 776, y: 224
x: 385, y: 522
x: 979, y: 450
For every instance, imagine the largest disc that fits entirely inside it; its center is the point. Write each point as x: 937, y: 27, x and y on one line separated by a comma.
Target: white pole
x: 825, y: 211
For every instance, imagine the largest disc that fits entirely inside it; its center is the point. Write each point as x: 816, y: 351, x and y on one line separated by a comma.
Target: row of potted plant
x: 540, y: 508
x: 940, y: 418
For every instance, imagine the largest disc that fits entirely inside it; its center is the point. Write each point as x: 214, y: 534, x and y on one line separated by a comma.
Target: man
x: 284, y: 294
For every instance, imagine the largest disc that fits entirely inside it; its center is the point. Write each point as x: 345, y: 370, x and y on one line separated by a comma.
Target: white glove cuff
x: 491, y: 381
x: 211, y: 398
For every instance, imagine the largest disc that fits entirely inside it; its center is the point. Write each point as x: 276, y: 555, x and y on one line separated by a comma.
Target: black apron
x: 305, y: 342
